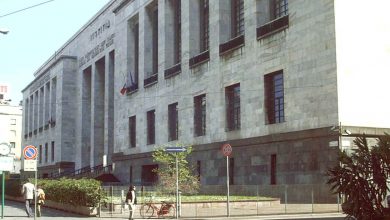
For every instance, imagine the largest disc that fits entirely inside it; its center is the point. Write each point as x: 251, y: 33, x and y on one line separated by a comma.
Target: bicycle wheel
x: 171, y: 212
x: 146, y: 211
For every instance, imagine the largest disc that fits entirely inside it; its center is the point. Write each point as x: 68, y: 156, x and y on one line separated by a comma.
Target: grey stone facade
x: 92, y: 117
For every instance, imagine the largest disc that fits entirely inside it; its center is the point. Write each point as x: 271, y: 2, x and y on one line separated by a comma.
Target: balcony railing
x: 172, y: 71
x: 152, y: 79
x: 199, y: 59
x: 232, y: 44
x: 90, y: 172
x: 272, y: 27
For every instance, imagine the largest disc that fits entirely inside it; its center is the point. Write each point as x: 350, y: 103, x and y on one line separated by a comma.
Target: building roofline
x: 97, y: 15
x: 48, y: 67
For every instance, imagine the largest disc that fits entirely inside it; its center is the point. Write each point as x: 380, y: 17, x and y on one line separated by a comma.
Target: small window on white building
x: 13, y: 121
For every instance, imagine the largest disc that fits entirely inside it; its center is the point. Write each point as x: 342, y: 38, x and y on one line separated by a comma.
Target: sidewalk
x: 15, y: 210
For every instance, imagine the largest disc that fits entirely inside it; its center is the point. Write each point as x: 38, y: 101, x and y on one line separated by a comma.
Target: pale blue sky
x: 35, y: 34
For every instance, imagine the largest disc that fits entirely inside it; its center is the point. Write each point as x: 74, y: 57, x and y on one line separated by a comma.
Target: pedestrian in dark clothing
x: 131, y: 199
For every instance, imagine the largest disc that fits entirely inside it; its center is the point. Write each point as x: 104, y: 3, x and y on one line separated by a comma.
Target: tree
x: 188, y: 182
x: 361, y: 177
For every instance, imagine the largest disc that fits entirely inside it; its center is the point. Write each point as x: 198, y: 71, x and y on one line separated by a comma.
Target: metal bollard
x: 179, y: 204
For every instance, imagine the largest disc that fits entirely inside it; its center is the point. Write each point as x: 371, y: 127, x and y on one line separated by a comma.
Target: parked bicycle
x: 167, y: 209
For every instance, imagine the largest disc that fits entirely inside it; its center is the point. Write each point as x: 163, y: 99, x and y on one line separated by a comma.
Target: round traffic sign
x: 226, y: 150
x: 30, y: 152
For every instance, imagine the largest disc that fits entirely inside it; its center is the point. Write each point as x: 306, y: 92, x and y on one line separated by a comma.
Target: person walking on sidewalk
x: 131, y: 199
x: 28, y: 194
x: 41, y: 200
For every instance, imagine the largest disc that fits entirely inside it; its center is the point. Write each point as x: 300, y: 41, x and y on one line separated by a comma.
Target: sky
x: 35, y: 34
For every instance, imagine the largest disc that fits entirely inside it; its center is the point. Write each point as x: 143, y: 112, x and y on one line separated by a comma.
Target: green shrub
x: 77, y: 192
x: 13, y: 187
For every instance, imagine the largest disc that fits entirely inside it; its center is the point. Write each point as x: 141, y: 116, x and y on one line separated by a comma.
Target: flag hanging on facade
x: 129, y: 84
x: 124, y: 89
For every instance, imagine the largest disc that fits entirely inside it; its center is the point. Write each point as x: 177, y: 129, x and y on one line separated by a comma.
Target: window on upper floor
x: 13, y: 121
x: 204, y: 25
x: 200, y: 115
x: 132, y: 131
x: 232, y: 26
x: 151, y: 42
x: 12, y: 144
x: 278, y: 8
x: 272, y: 17
x: 274, y: 97
x: 199, y: 32
x: 133, y: 54
x: 237, y: 18
x: 172, y: 38
x: 173, y: 122
x: 151, y: 120
x: 232, y: 97
x: 177, y: 30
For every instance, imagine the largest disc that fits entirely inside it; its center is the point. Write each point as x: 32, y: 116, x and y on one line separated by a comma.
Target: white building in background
x: 11, y: 126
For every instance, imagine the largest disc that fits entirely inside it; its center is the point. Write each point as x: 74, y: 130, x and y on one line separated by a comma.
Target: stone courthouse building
x: 282, y: 81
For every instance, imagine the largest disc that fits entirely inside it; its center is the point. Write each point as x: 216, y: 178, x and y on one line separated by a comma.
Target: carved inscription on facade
x: 100, y: 30
x: 97, y: 50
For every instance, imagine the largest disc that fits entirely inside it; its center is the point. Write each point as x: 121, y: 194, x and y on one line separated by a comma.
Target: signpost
x: 176, y: 150
x: 6, y: 164
x: 30, y: 154
x: 227, y: 151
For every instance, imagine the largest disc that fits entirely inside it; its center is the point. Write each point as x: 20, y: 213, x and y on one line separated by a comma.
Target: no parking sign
x: 30, y: 152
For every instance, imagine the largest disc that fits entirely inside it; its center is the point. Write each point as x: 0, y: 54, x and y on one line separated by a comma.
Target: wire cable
x: 23, y: 9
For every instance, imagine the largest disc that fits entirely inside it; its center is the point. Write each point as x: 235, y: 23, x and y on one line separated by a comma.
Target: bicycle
x: 166, y: 209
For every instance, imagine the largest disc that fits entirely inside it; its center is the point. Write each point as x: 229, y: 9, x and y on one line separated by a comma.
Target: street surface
x: 15, y: 210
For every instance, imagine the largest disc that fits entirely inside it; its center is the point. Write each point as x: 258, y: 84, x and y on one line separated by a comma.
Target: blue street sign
x: 175, y: 149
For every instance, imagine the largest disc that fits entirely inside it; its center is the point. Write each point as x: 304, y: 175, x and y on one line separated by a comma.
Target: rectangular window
x: 173, y: 122
x: 274, y: 97
x: 279, y: 8
x: 40, y: 154
x: 155, y: 39
x: 204, y: 25
x: 132, y: 131
x: 149, y: 175
x: 273, y: 170
x: 198, y: 167
x: 231, y: 171
x: 200, y: 115
x: 12, y: 144
x: 150, y: 117
x: 131, y: 174
x: 52, y: 151
x: 177, y: 30
x: 237, y: 18
x: 46, y: 152
x: 233, y: 120
x: 13, y: 121
x: 136, y: 50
